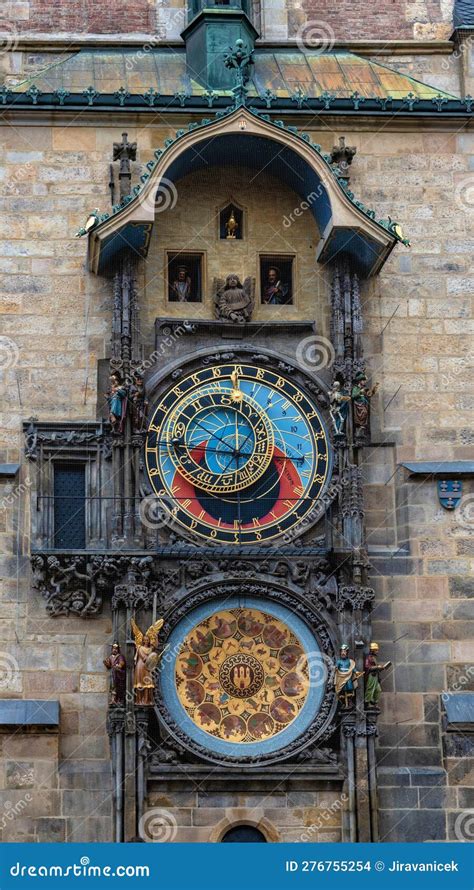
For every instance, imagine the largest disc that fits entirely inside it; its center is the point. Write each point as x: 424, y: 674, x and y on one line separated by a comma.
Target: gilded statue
x: 146, y: 660
x: 231, y: 227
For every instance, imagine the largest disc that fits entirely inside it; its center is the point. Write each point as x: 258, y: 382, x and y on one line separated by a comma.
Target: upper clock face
x: 237, y: 453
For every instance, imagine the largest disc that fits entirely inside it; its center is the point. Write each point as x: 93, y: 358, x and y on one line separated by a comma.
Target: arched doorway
x: 243, y: 834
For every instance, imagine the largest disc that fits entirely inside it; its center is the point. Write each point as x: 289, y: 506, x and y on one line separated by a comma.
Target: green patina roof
x: 284, y: 73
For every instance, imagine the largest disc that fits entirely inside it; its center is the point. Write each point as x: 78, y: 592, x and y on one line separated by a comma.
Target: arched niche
x: 254, y: 142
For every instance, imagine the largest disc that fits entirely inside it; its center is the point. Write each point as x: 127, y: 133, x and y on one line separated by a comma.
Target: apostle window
x: 185, y: 277
x: 276, y: 280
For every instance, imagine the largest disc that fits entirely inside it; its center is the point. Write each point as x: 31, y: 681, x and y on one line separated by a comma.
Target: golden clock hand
x: 236, y: 394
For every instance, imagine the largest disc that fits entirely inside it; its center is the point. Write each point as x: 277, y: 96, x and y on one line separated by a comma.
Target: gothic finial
x: 239, y: 59
x: 125, y: 152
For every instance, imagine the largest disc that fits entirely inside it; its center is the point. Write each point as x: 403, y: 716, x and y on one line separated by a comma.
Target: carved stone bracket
x: 115, y: 721
x: 354, y: 597
x: 133, y: 596
x: 64, y: 437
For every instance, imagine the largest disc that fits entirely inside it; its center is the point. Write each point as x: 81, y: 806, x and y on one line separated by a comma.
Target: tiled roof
x: 284, y: 73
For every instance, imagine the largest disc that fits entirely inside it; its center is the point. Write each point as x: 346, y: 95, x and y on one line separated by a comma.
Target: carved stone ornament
x: 63, y: 436
x: 355, y: 597
x: 75, y: 585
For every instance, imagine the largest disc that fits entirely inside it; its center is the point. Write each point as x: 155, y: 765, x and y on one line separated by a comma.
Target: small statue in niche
x: 231, y: 227
x: 234, y: 301
x: 139, y: 403
x: 180, y: 288
x: 361, y: 395
x: 346, y: 677
x: 338, y: 407
x: 275, y: 291
x: 116, y: 664
x: 373, y: 670
x: 117, y: 400
x: 146, y: 660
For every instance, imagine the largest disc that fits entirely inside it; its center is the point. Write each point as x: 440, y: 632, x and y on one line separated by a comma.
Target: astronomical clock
x: 239, y: 456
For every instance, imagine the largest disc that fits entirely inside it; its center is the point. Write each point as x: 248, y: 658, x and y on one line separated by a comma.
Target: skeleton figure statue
x: 338, y: 407
x: 146, y: 660
x: 234, y: 301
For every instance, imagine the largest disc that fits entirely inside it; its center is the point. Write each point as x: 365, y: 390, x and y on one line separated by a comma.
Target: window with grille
x: 69, y: 506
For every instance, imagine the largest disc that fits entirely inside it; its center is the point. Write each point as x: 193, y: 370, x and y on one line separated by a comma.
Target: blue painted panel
x: 29, y: 712
x: 261, y: 154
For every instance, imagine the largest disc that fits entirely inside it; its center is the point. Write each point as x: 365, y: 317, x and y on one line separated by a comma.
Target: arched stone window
x: 243, y: 834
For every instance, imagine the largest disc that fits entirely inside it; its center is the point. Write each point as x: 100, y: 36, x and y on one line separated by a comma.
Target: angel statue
x: 234, y: 301
x: 145, y: 661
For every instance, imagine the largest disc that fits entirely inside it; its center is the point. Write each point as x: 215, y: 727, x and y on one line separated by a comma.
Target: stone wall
x: 310, y: 20
x: 417, y: 340
x: 292, y: 816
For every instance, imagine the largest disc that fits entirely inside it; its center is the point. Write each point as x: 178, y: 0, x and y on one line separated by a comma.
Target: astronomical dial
x: 237, y: 454
x: 218, y: 442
